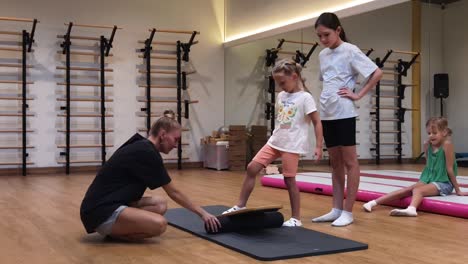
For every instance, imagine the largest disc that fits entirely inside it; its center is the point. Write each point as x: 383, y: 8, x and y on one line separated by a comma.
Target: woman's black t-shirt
x: 123, y: 179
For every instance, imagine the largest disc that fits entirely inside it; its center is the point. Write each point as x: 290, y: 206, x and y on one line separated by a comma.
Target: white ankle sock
x: 345, y: 219
x: 331, y: 216
x: 410, y: 211
x: 368, y: 206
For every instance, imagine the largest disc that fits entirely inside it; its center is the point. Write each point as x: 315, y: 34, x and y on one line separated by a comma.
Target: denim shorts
x: 106, y: 227
x: 445, y: 188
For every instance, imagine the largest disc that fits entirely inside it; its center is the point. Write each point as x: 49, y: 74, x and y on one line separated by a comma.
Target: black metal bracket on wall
x: 183, y: 54
x: 402, y: 70
x: 66, y: 50
x: 147, y: 57
x: 179, y: 100
x: 303, y: 59
x: 26, y: 44
x: 105, y: 45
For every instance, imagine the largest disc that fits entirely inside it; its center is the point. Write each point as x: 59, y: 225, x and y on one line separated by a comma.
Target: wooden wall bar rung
x: 159, y: 86
x: 14, y: 97
x: 165, y: 72
x: 10, y: 65
x: 92, y: 26
x: 85, y: 115
x: 18, y: 19
x: 84, y: 53
x: 287, y: 52
x: 165, y: 100
x: 15, y: 82
x: 79, y: 161
x: 15, y: 114
x: 387, y: 155
x: 386, y: 108
x: 387, y: 131
x: 405, y: 52
x: 143, y: 114
x: 386, y: 96
x: 15, y: 130
x: 77, y: 99
x: 390, y: 73
x: 387, y: 119
x: 386, y: 143
x: 83, y: 69
x: 160, y: 57
x: 174, y: 31
x: 85, y: 130
x: 15, y: 147
x: 86, y: 146
x: 80, y: 37
x: 162, y: 52
x: 164, y: 43
x: 395, y: 61
x: 299, y: 42
x: 393, y: 84
x: 15, y: 163
x: 85, y: 84
x: 175, y: 158
x: 12, y: 49
x: 11, y: 33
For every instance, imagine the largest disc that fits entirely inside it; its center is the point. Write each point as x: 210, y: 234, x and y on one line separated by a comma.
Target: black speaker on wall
x: 441, y: 85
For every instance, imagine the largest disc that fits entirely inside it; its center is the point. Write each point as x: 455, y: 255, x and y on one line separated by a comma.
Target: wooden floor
x: 40, y: 223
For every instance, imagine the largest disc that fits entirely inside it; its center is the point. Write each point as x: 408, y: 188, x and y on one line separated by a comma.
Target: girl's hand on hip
x: 345, y: 92
x: 318, y: 154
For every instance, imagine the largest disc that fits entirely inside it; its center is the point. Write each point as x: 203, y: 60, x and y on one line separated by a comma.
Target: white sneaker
x: 292, y: 222
x: 233, y: 209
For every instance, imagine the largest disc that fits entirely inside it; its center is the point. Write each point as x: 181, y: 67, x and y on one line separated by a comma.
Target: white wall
x: 253, y: 20
x: 388, y: 28
x: 432, y: 60
x: 445, y: 52
x: 245, y: 15
x: 455, y: 57
x: 135, y: 17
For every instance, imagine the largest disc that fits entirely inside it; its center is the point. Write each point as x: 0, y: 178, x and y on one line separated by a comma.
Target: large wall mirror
x: 442, y: 53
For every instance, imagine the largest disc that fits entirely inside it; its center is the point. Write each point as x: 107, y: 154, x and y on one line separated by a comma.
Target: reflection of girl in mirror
x: 340, y: 65
x: 437, y: 178
x: 296, y: 108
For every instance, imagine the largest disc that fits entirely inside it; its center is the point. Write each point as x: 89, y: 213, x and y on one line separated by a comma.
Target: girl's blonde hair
x: 167, y: 122
x: 288, y: 67
x: 440, y: 123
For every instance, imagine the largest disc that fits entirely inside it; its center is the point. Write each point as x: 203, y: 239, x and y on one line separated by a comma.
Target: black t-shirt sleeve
x: 149, y: 168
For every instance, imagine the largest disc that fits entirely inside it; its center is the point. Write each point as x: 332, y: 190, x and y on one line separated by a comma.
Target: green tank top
x: 436, y: 170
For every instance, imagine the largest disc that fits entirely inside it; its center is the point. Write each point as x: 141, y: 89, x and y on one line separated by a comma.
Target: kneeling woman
x: 114, y: 204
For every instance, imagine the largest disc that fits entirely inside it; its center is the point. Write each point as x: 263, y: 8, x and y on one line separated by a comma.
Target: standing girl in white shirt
x: 295, y: 109
x: 340, y: 65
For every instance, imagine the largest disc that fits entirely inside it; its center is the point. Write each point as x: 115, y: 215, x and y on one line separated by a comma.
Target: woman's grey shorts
x: 106, y: 227
x: 445, y: 188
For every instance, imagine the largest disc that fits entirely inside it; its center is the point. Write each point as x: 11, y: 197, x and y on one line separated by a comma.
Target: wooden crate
x: 237, y: 151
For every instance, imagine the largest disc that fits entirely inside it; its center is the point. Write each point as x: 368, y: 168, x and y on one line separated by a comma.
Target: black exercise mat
x: 264, y: 244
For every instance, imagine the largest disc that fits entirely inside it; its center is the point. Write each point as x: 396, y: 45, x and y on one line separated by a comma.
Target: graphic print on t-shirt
x: 286, y: 112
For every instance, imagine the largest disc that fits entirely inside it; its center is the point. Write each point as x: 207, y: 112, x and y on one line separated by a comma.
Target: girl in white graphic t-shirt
x: 295, y: 109
x: 340, y: 65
